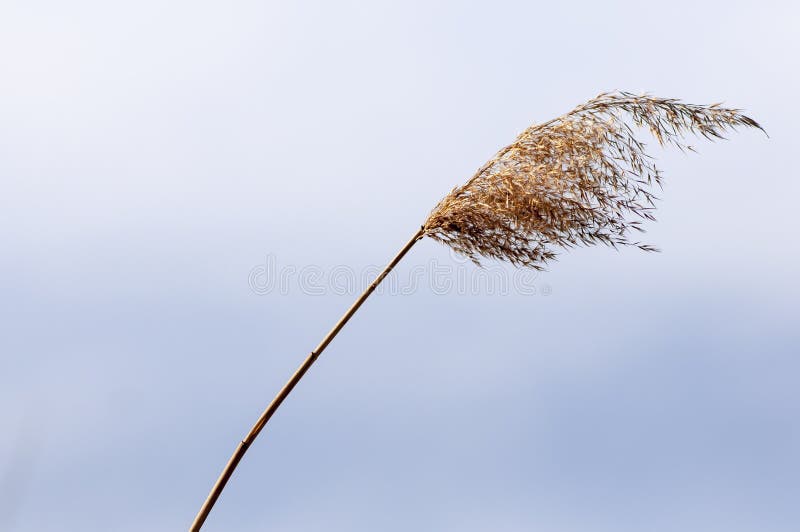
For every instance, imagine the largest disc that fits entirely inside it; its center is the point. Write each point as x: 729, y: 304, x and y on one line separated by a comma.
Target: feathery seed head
x: 580, y: 179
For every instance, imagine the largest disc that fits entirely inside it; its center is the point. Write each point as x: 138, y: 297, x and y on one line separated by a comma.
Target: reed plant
x: 582, y: 178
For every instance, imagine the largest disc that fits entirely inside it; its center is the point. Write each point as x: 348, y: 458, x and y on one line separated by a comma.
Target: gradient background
x: 153, y: 153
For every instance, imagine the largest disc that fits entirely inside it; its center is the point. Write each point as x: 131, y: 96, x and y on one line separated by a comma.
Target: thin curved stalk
x: 241, y: 449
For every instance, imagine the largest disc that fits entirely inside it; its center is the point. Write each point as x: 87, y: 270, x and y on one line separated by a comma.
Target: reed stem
x: 241, y: 449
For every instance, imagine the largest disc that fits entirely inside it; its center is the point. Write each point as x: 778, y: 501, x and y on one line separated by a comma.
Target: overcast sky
x: 159, y: 160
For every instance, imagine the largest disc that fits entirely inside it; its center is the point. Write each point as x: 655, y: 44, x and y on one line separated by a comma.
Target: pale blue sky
x: 153, y: 153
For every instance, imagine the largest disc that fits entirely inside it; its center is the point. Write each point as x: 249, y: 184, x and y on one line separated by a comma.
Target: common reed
x: 580, y: 179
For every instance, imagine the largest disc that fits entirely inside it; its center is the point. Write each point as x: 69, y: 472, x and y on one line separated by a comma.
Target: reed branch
x: 247, y: 441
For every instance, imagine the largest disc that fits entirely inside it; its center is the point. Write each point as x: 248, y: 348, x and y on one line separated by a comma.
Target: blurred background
x: 153, y: 155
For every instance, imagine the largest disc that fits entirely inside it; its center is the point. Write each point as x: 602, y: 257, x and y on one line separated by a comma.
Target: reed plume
x: 580, y: 179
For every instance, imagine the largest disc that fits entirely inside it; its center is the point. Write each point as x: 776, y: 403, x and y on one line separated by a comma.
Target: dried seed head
x: 579, y: 179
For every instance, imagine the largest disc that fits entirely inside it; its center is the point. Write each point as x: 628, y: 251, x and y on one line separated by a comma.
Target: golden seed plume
x: 579, y: 179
